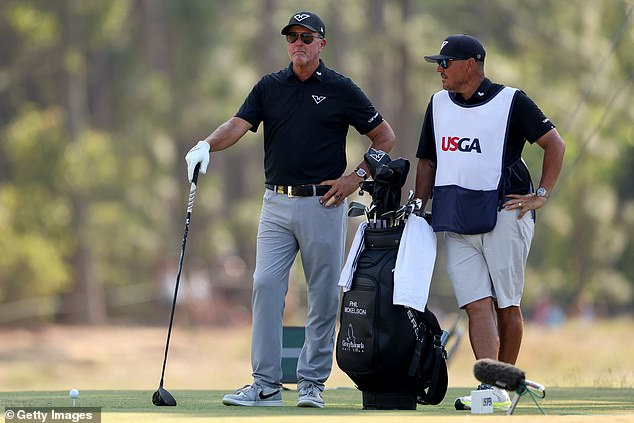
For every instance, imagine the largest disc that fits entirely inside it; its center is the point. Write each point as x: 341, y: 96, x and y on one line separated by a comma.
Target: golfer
x: 306, y: 110
x: 470, y: 157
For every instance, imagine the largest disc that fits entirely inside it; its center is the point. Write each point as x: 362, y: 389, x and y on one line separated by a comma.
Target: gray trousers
x: 288, y: 225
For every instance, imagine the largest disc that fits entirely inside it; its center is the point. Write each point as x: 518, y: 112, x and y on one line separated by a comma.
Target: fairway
x: 586, y: 368
x: 343, y: 405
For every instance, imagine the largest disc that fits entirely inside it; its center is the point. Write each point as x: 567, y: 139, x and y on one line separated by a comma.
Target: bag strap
x: 439, y: 381
x: 413, y: 367
x: 420, y: 342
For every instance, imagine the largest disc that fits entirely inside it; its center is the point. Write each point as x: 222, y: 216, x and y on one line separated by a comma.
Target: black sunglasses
x: 307, y: 38
x: 446, y: 62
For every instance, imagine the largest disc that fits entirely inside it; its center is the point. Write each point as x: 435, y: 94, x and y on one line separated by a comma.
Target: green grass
x: 586, y: 367
x: 344, y: 404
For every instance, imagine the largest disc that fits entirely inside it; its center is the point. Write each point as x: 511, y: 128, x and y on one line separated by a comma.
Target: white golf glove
x: 198, y: 154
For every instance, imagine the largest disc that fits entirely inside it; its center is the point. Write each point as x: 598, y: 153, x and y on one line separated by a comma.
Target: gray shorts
x: 491, y: 264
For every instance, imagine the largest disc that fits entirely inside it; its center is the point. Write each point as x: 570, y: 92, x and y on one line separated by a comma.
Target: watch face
x: 541, y: 192
x: 361, y: 172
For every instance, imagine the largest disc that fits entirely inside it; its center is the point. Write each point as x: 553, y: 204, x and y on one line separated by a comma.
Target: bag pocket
x: 356, y: 339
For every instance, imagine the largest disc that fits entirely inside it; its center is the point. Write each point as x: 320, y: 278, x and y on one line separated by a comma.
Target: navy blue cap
x: 459, y: 46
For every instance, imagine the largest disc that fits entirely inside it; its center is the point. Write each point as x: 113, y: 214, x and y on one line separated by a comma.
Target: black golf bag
x: 392, y: 353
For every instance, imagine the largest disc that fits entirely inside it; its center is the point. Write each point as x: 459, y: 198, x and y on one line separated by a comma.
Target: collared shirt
x: 527, y: 123
x: 306, y: 123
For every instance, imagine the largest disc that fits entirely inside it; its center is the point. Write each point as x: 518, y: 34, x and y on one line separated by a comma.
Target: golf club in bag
x: 394, y: 354
x: 162, y: 397
x: 385, y: 189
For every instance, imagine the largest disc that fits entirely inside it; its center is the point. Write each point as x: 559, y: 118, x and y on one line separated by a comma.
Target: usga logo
x: 466, y: 145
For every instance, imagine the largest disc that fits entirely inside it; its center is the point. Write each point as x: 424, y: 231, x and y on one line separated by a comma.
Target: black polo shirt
x: 306, y: 123
x: 527, y: 123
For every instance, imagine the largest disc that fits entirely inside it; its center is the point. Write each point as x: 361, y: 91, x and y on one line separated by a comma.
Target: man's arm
x: 425, y: 174
x: 382, y: 138
x: 228, y: 134
x: 554, y: 148
x: 223, y: 137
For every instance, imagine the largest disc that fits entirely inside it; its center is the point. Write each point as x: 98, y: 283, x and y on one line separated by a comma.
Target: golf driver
x: 162, y: 397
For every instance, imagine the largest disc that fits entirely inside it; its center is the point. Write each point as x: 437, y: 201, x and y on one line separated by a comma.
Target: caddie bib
x: 470, y: 144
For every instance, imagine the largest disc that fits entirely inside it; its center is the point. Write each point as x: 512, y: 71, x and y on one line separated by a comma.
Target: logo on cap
x: 444, y: 43
x: 300, y: 17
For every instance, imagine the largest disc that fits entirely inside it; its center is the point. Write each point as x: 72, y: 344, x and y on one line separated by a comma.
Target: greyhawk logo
x: 350, y: 343
x: 318, y: 98
x: 301, y: 16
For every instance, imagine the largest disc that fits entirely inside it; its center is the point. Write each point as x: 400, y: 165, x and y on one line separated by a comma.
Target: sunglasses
x: 306, y: 37
x: 444, y: 63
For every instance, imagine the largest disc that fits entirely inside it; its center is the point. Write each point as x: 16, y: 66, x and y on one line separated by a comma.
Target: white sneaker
x: 255, y: 396
x: 501, y: 399
x: 310, y: 396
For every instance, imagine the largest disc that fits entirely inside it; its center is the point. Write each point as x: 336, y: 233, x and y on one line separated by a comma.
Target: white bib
x: 470, y: 140
x: 470, y: 146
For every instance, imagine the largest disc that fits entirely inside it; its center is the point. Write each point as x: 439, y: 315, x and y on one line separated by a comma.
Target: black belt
x: 299, y: 190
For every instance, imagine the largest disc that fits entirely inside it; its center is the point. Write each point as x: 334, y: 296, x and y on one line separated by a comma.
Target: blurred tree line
x: 101, y: 99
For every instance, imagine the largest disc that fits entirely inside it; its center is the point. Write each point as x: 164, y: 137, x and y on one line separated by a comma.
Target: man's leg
x: 483, y: 330
x: 321, y: 234
x: 470, y: 277
x: 506, y: 251
x: 511, y: 328
x: 276, y: 252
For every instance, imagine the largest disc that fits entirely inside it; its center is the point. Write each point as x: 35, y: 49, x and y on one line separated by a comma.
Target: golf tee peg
x: 73, y: 394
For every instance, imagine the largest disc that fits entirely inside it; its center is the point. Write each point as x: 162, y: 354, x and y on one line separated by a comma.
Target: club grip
x: 195, y: 177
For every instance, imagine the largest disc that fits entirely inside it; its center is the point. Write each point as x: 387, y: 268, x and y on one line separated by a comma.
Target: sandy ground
x: 118, y: 357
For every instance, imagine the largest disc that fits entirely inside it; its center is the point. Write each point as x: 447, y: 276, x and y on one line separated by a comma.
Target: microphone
x: 504, y: 376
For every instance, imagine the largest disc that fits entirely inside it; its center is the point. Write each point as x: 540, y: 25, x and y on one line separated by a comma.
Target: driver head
x: 162, y: 397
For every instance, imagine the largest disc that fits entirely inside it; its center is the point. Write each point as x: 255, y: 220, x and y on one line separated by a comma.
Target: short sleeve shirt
x: 527, y: 123
x: 306, y: 123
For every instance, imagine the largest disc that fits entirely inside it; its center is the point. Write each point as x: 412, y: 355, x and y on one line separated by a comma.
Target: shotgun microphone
x: 504, y: 376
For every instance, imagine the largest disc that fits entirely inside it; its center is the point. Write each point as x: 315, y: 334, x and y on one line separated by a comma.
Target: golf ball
x: 74, y: 393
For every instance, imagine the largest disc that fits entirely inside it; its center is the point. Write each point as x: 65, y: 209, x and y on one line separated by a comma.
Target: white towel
x: 345, y: 279
x: 414, y: 264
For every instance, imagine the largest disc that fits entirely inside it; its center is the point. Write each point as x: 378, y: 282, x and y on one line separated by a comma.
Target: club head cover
x: 400, y: 167
x: 374, y: 159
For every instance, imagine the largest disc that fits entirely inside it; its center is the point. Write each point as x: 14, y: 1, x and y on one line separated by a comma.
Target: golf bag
x: 392, y: 353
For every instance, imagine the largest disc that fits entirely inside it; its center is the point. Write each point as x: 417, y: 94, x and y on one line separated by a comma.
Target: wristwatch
x: 361, y: 173
x: 541, y: 192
